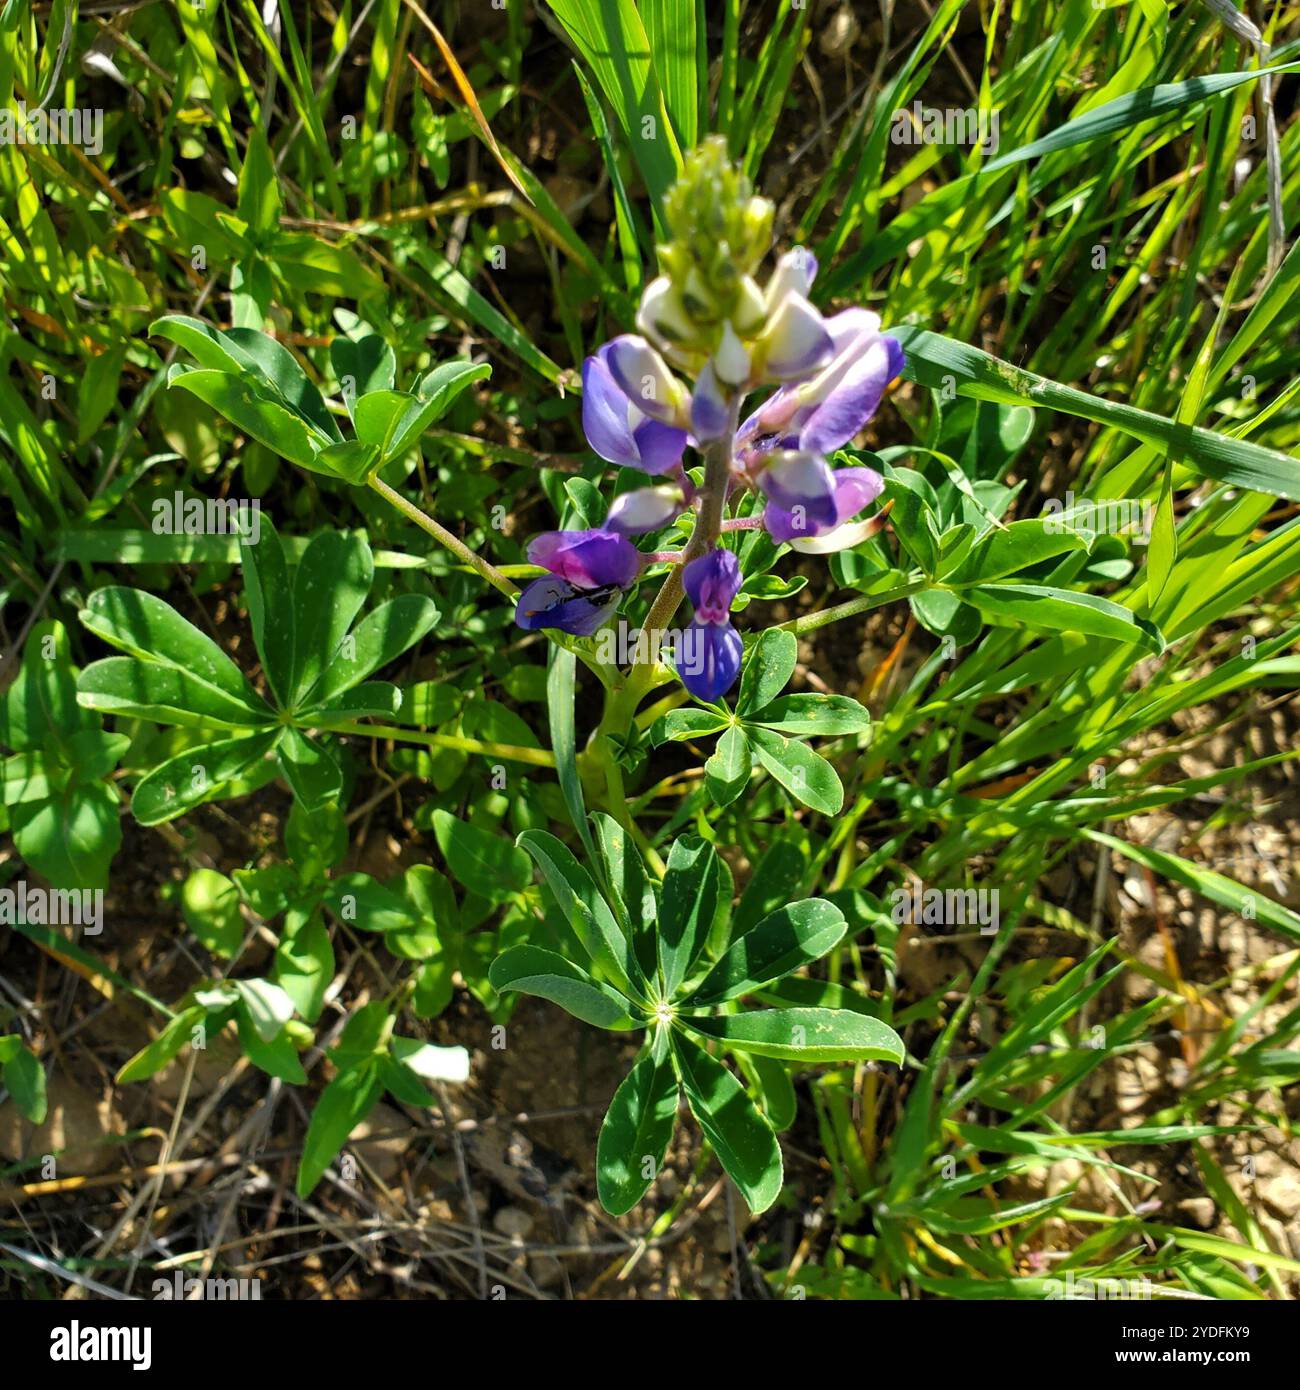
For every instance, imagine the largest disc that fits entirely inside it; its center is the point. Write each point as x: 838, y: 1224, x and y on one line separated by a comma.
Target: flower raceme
x: 706, y: 317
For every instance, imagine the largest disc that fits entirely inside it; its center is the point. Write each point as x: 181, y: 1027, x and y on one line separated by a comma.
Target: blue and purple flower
x: 709, y: 660
x: 589, y: 573
x: 707, y: 317
x: 630, y: 428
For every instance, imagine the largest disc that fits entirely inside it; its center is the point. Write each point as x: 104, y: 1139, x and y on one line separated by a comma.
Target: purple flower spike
x: 853, y: 489
x: 712, y: 583
x: 708, y: 659
x: 618, y: 431
x: 587, y: 559
x: 552, y: 602
x: 802, y: 485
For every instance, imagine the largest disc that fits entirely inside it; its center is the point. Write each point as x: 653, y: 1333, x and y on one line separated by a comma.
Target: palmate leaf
x: 586, y: 911
x: 329, y: 590
x: 768, y: 669
x: 378, y: 639
x: 631, y: 894
x: 804, y: 774
x: 310, y: 769
x: 783, y: 942
x: 146, y: 627
x: 813, y: 715
x: 125, y: 685
x: 728, y: 770
x: 177, y: 675
x: 636, y: 1131
x: 270, y: 607
x: 690, y: 902
x: 804, y: 1035
x: 196, y: 775
x: 745, y: 1143
x: 533, y: 970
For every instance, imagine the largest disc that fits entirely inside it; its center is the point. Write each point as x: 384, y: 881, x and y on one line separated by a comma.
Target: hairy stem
x: 445, y: 538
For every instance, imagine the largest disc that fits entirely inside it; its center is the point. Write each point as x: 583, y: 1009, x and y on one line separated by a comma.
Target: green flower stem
x: 812, y: 621
x: 445, y: 538
x: 538, y: 757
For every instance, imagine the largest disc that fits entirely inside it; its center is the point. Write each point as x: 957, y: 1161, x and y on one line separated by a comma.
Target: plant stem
x: 538, y: 757
x: 445, y: 538
x: 811, y: 621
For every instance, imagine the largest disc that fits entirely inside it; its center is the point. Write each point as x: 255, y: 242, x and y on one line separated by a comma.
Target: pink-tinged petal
x: 855, y: 488
x: 645, y: 378
x: 767, y: 429
x: 709, y: 413
x: 708, y: 659
x: 852, y: 490
x: 795, y: 341
x: 552, y: 602
x: 588, y: 559
x: 802, y: 484
x: 712, y: 582
x: 645, y: 509
x: 851, y: 398
x: 785, y: 525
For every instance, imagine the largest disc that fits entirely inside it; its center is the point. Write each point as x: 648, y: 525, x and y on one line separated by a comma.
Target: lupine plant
x: 670, y: 963
x: 694, y: 599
